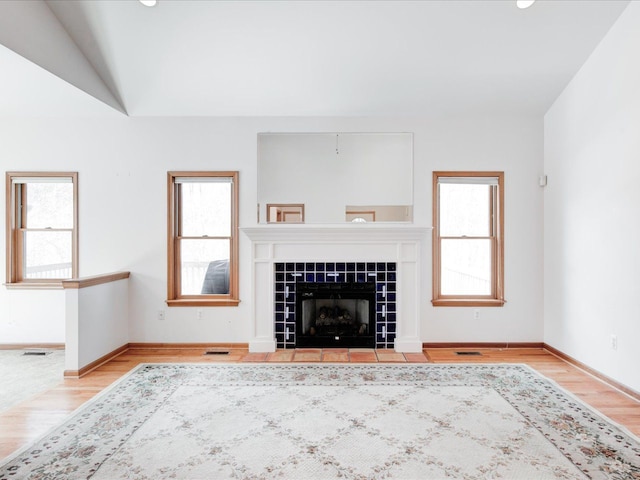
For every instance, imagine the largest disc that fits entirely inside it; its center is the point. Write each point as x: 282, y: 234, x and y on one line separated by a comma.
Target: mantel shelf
x: 364, y: 233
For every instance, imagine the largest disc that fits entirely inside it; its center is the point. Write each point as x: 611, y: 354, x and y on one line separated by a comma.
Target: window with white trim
x: 468, y: 239
x: 202, y: 238
x: 42, y: 233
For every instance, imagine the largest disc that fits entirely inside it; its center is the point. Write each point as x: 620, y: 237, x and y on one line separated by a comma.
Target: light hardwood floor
x: 29, y: 420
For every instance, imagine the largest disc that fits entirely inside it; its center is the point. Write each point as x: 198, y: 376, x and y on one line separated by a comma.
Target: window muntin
x: 203, y: 240
x: 41, y: 227
x: 468, y: 238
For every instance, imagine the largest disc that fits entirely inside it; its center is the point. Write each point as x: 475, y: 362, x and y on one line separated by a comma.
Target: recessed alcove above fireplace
x: 338, y: 246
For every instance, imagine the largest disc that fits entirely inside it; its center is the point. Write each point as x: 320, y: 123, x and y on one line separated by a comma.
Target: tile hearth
x: 336, y: 355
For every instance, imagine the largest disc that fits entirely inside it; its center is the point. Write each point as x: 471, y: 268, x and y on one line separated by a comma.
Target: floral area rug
x: 323, y: 421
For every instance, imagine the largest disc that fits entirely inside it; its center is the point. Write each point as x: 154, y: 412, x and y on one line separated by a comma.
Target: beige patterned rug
x: 409, y: 421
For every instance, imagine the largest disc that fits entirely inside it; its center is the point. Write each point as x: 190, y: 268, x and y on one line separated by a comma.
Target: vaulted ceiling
x: 257, y: 58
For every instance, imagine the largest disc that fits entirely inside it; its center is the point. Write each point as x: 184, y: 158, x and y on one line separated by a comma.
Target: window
x: 468, y: 238
x: 202, y: 238
x: 42, y: 228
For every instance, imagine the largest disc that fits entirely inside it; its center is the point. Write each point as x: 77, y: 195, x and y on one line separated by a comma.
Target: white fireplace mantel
x: 337, y: 232
x: 399, y: 243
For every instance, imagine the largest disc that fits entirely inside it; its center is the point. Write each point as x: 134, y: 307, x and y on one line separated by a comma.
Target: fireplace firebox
x: 336, y: 314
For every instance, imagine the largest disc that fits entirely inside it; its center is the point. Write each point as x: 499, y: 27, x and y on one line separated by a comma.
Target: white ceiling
x: 183, y: 58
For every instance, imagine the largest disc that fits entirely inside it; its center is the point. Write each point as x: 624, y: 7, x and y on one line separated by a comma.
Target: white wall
x: 122, y: 165
x: 97, y: 322
x: 592, y: 208
x: 31, y: 316
x: 515, y: 147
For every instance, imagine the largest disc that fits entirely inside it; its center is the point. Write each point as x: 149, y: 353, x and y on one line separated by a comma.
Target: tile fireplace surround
x: 381, y: 274
x: 402, y: 245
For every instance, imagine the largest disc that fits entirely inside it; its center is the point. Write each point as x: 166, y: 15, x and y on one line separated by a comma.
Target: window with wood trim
x: 468, y: 239
x: 202, y: 239
x: 42, y: 228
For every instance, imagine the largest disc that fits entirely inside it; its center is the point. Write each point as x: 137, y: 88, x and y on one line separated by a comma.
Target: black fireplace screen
x: 335, y: 314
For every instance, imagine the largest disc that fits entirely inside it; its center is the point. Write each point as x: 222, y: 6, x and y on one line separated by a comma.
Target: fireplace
x: 375, y: 280
x: 285, y: 255
x: 335, y: 314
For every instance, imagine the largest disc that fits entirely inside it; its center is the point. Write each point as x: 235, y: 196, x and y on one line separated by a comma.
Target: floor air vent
x: 217, y: 352
x: 468, y: 353
x: 38, y: 353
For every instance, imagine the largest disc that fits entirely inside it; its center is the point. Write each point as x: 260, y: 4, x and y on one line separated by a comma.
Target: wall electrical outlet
x: 160, y: 315
x: 476, y: 314
x: 614, y: 342
x: 199, y: 314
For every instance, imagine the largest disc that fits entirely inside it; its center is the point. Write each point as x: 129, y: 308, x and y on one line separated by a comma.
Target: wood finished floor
x: 29, y: 420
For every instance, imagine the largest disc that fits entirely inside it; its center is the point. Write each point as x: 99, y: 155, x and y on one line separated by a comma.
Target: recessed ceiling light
x: 525, y: 3
x: 148, y: 3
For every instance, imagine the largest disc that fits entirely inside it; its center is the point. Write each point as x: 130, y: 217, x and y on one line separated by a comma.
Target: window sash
x: 467, y: 276
x: 484, y: 196
x: 47, y: 219
x: 185, y: 222
x: 32, y: 270
x: 187, y: 276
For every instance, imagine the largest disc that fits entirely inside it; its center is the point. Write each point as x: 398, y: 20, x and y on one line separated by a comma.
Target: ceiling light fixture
x: 148, y: 3
x: 524, y: 3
